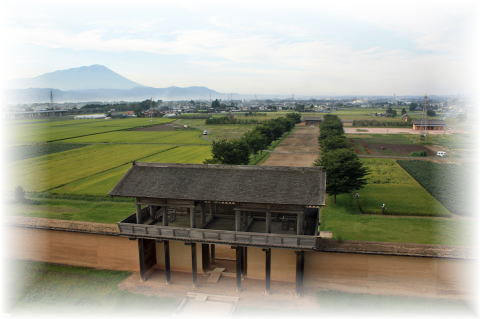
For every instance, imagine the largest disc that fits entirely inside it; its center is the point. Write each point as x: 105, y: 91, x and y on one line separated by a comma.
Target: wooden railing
x: 129, y: 228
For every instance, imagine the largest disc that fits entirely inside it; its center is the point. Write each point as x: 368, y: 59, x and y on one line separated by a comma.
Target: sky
x: 252, y: 47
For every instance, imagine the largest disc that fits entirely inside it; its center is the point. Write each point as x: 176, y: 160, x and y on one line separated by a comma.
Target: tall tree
x: 345, y: 172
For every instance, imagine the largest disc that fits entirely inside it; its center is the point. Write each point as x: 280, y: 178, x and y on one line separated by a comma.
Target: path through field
x: 300, y: 148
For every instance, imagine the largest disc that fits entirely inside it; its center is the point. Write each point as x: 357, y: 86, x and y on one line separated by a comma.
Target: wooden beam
x: 300, y: 223
x: 166, y: 250
x: 268, y: 222
x: 237, y: 220
x: 238, y: 267
x: 212, y: 253
x: 192, y: 216
x: 299, y: 272
x: 164, y: 215
x: 139, y: 213
x: 268, y: 269
x: 205, y: 257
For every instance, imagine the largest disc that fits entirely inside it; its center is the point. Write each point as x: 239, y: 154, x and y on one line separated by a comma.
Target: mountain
x: 95, y: 83
x: 82, y: 78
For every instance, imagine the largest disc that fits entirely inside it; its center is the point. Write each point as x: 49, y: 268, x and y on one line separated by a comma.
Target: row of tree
x: 345, y: 172
x: 229, y: 120
x: 238, y: 151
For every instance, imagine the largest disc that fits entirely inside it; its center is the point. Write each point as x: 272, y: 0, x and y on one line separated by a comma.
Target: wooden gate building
x: 238, y: 205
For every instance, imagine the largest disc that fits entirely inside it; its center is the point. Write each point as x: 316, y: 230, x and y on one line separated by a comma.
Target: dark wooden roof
x: 429, y: 122
x: 227, y: 183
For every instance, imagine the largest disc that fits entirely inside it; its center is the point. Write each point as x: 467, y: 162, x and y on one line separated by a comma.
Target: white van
x: 205, y: 132
x: 441, y: 153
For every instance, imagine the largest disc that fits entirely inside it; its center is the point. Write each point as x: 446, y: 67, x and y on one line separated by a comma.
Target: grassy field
x: 84, y: 210
x: 227, y: 131
x: 36, y: 287
x: 28, y: 151
x: 347, y: 223
x: 386, y: 138
x: 53, y: 170
x: 388, y: 183
x: 44, y: 131
x: 189, y: 136
x: 103, y: 182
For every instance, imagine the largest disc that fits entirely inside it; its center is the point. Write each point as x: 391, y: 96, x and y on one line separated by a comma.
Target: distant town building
x: 428, y: 125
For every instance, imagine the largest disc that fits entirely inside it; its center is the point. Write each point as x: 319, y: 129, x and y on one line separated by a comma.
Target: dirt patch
x: 365, y: 148
x: 300, y: 148
x: 159, y: 127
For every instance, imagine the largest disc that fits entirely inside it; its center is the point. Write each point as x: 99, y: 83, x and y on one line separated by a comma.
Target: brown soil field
x: 300, y: 148
x: 362, y: 147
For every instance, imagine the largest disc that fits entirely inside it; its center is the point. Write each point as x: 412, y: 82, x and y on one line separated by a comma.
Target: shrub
x: 420, y: 153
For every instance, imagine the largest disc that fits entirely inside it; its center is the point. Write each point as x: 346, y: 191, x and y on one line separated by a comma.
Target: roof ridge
x: 226, y: 166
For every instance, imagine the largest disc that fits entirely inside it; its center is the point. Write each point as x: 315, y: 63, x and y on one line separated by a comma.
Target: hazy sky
x: 256, y: 47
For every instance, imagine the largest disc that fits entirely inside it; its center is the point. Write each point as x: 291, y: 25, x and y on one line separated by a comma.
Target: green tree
x: 413, y: 106
x: 333, y: 142
x: 431, y: 112
x: 235, y: 152
x: 390, y: 112
x: 345, y: 172
x: 404, y: 111
x: 256, y: 141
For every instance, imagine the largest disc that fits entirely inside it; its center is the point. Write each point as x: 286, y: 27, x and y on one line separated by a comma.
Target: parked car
x: 441, y: 153
x: 205, y: 132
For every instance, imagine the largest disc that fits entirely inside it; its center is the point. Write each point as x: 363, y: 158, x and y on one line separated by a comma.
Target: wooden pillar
x: 299, y: 272
x: 268, y: 269
x: 212, y: 253
x: 165, y: 216
x: 151, y: 210
x: 238, y: 266
x: 139, y: 213
x: 237, y: 220
x: 202, y: 215
x: 244, y: 262
x: 192, y: 216
x: 194, y: 263
x: 268, y: 222
x: 205, y: 257
x: 166, y: 250
x: 300, y: 223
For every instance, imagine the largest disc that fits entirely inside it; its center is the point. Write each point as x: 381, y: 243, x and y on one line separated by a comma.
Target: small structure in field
x: 312, y: 120
x: 431, y: 125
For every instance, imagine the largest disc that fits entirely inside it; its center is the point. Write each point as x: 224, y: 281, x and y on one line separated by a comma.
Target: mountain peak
x: 95, y: 76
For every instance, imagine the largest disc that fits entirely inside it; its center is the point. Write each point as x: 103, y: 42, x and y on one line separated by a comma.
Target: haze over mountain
x: 82, y: 78
x: 94, y: 83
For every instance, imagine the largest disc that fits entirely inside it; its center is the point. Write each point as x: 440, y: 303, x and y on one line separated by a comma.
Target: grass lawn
x: 53, y: 170
x: 103, y: 182
x: 84, y: 210
x: 188, y: 136
x: 346, y: 223
x: 388, y: 183
x: 44, y: 131
x: 50, y: 288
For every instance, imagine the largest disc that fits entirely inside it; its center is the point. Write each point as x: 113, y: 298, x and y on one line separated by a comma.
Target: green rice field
x: 53, y: 170
x: 45, y: 131
x: 161, y: 137
x: 101, y: 183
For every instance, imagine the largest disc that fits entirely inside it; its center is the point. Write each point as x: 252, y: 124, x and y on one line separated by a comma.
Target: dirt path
x: 300, y: 148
